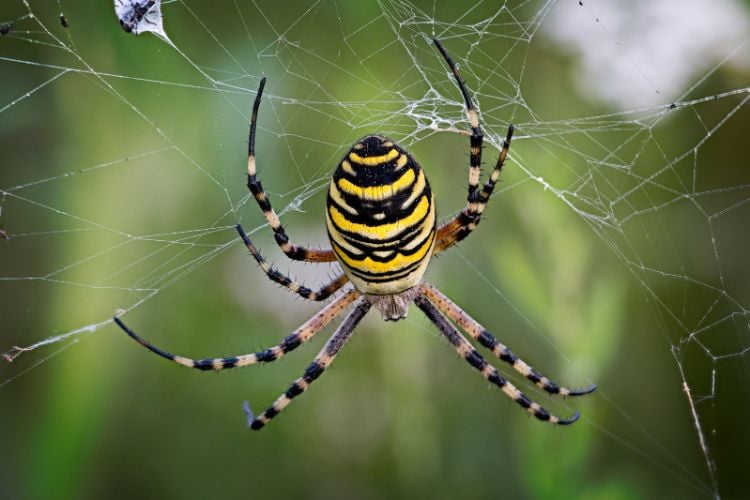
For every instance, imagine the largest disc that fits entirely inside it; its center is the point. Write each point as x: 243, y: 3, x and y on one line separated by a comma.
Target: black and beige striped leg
x: 274, y: 275
x: 322, y: 361
x: 489, y: 185
x: 476, y: 138
x: 294, y: 252
x: 297, y: 338
x: 486, y: 339
x: 467, y: 352
x: 468, y: 219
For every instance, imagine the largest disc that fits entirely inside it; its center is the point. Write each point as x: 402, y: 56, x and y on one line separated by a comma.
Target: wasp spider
x: 381, y: 221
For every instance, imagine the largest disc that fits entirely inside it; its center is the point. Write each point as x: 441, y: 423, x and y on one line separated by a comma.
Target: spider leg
x: 468, y: 219
x: 476, y: 138
x: 294, y: 252
x: 322, y: 361
x: 467, y: 351
x: 297, y: 338
x: 486, y: 339
x: 274, y: 275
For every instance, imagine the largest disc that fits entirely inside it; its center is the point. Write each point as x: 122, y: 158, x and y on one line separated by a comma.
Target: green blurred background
x: 601, y: 259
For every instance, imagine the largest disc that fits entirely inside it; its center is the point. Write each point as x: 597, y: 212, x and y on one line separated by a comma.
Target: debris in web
x: 140, y: 16
x: 13, y: 353
x: 5, y: 28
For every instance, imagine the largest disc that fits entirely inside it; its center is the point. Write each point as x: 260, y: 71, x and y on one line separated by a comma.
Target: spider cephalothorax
x: 381, y: 221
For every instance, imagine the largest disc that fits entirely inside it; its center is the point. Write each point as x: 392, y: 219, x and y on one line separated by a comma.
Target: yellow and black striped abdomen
x: 380, y: 216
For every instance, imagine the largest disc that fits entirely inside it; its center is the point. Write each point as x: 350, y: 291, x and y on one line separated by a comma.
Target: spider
x: 382, y: 226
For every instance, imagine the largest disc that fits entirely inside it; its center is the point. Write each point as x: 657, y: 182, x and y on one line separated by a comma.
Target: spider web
x: 123, y: 174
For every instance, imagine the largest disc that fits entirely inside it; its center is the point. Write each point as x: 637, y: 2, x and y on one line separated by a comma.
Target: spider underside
x: 382, y: 225
x: 396, y: 306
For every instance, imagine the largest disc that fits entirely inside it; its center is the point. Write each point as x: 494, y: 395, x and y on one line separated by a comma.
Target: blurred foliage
x: 398, y: 415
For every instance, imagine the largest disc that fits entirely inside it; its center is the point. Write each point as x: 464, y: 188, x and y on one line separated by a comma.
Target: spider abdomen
x: 380, y: 215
